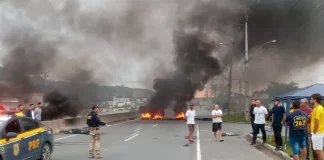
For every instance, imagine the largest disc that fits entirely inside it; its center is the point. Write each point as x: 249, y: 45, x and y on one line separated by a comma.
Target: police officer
x: 94, y: 122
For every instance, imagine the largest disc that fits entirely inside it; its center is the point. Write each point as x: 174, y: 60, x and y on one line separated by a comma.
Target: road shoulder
x: 269, y: 147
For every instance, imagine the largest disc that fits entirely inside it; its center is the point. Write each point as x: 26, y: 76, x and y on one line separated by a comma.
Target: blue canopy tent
x: 298, y: 94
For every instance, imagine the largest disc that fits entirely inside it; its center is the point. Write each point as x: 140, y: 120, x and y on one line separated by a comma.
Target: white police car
x: 23, y: 138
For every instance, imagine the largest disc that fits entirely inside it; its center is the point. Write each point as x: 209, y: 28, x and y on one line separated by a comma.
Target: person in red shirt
x: 305, y: 108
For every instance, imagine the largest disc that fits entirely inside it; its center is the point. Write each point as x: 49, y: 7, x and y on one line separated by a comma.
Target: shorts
x: 317, y: 141
x: 191, y: 127
x: 217, y: 126
x: 297, y: 143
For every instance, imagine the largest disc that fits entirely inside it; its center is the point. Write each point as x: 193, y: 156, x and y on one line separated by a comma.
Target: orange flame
x: 180, y: 116
x: 146, y: 115
x: 157, y: 116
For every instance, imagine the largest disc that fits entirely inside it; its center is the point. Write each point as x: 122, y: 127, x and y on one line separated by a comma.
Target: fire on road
x: 159, y: 116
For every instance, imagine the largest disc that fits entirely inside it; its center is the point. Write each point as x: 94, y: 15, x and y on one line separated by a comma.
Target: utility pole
x: 246, y: 69
x: 222, y: 89
x: 230, y: 80
x: 240, y: 86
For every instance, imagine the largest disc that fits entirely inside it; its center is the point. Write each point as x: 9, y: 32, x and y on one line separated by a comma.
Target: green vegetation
x: 276, y: 89
x: 237, y: 118
x: 288, y: 149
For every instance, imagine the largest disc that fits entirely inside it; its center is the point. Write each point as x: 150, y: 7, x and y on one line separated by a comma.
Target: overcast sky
x: 121, y: 42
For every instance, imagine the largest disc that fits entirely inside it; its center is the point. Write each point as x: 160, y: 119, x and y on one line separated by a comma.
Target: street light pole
x: 246, y: 69
x: 230, y: 84
x: 246, y: 108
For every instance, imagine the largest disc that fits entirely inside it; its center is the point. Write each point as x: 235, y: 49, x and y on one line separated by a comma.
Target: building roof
x: 304, y: 92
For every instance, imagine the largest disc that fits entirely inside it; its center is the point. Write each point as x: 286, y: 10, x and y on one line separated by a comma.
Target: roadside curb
x: 271, y: 148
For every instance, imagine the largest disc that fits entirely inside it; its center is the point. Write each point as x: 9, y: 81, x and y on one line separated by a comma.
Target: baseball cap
x: 305, y: 100
x: 94, y: 107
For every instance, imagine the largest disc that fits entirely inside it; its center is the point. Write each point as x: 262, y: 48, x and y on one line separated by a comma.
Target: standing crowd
x: 31, y: 112
x: 305, y: 122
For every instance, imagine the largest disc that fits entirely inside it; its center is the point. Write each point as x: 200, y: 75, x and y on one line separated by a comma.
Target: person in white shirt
x: 190, y: 116
x: 260, y: 113
x: 38, y: 112
x: 217, y: 115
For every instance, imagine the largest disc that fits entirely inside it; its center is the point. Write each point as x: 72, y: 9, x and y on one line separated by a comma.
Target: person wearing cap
x: 190, y: 116
x: 94, y: 122
x: 304, y: 106
x: 278, y: 118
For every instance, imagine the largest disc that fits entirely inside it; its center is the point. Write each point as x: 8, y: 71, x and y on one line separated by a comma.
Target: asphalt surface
x: 160, y: 140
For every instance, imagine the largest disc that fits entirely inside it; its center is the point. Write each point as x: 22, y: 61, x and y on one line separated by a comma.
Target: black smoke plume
x: 297, y: 28
x: 195, y: 66
x: 296, y: 25
x: 31, y: 56
x: 28, y: 57
x: 60, y: 105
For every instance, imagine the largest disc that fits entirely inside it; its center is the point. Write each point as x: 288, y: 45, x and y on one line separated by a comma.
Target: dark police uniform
x: 94, y: 122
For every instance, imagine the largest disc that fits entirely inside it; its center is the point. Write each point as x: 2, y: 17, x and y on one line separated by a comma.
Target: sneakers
x: 253, y: 143
x: 279, y: 148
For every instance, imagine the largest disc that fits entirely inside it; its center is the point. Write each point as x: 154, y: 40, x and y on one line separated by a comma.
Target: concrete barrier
x: 80, y: 121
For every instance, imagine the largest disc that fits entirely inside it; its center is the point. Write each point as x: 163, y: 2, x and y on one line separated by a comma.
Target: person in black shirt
x: 278, y: 118
x: 297, y: 121
x: 94, y: 122
x: 30, y: 111
x: 252, y: 116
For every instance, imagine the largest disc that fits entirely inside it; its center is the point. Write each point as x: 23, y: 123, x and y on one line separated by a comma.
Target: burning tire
x: 146, y: 116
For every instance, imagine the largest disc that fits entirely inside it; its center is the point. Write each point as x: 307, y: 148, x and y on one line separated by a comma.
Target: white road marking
x: 64, y: 137
x: 103, y: 127
x: 154, y: 125
x: 119, y: 123
x: 198, y: 145
x: 136, y: 132
x: 131, y: 137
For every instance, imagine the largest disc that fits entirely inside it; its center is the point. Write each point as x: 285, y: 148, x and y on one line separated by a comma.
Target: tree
x: 275, y: 89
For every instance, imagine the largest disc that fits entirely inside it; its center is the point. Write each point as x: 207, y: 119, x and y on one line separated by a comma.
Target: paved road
x: 159, y: 140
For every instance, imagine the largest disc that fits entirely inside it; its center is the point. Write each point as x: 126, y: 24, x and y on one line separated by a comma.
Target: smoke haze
x: 195, y: 66
x: 174, y: 42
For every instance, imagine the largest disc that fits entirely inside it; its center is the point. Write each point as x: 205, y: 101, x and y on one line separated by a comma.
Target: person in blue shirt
x: 278, y: 116
x: 297, y: 121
